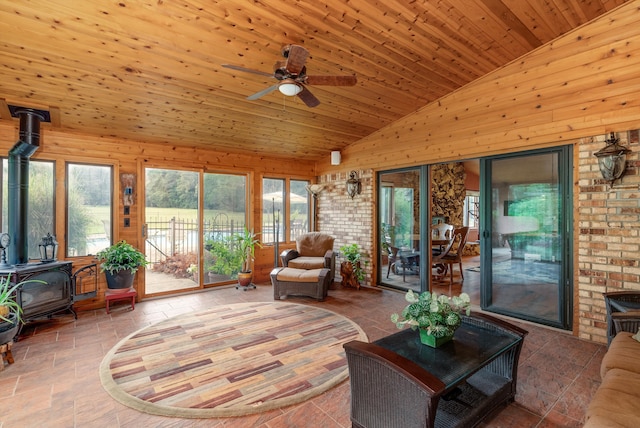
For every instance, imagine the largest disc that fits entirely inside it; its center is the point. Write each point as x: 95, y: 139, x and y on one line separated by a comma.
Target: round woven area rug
x: 231, y: 360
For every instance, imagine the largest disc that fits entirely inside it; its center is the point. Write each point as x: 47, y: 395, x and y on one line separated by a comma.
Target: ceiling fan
x: 292, y: 76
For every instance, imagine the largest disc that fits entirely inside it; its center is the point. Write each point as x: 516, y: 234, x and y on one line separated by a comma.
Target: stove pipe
x: 18, y: 183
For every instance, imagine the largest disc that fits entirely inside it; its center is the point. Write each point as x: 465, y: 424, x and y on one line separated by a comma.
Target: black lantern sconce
x: 354, y: 187
x: 612, y: 159
x: 48, y: 249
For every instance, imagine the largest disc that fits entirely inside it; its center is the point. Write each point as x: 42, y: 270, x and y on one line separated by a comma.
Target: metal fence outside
x: 168, y: 237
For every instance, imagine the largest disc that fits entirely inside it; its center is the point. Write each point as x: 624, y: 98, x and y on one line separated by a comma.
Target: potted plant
x: 246, y: 243
x: 120, y: 262
x: 436, y: 316
x: 221, y: 261
x: 10, y: 310
x: 351, y: 268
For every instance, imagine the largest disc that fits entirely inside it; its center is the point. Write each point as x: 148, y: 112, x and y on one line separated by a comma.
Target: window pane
x: 299, y: 208
x: 173, y: 229
x: 41, y: 203
x: 89, y: 208
x: 272, y: 210
x: 225, y: 199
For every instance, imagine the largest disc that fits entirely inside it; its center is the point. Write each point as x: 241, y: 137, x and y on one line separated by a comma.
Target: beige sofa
x: 616, y: 403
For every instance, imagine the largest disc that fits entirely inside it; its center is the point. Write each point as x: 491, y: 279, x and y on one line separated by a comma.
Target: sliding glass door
x: 525, y: 225
x: 400, y: 229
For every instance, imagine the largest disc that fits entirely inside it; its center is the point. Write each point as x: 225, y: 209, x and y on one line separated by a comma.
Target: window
x: 89, y: 208
x: 286, y: 216
x: 40, y: 216
x: 472, y: 209
x: 273, y: 217
x: 225, y: 197
x: 298, y: 208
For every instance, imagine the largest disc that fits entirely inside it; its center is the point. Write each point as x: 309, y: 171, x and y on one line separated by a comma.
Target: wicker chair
x: 622, y: 302
x: 314, y: 250
x: 388, y: 390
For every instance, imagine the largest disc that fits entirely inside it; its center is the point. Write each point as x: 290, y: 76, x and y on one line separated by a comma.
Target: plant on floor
x: 351, y: 254
x: 246, y: 242
x: 224, y: 260
x: 439, y: 315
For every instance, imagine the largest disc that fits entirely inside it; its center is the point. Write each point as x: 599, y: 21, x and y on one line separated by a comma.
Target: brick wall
x: 608, y: 238
x: 349, y: 220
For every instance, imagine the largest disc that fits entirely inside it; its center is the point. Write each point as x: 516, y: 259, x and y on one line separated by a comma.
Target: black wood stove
x: 57, y: 287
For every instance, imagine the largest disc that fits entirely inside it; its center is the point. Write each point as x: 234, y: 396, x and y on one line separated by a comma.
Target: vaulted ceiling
x: 153, y: 70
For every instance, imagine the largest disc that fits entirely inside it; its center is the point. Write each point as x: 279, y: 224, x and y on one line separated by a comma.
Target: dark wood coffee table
x: 473, y: 377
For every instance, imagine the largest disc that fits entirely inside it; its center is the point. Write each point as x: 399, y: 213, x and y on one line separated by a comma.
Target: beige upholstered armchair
x: 313, y: 251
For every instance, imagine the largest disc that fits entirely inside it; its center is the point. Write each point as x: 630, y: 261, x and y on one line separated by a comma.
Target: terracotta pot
x: 245, y: 278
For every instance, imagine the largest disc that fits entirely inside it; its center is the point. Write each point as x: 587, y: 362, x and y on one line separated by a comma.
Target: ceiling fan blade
x: 308, y: 98
x: 296, y: 57
x: 247, y: 70
x: 331, y: 80
x: 263, y: 92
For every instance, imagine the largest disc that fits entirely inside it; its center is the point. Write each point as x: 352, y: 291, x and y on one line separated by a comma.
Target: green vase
x: 430, y: 340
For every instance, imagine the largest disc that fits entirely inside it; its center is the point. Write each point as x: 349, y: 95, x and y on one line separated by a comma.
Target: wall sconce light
x: 314, y: 189
x: 48, y: 249
x: 354, y: 187
x: 612, y: 159
x: 335, y: 157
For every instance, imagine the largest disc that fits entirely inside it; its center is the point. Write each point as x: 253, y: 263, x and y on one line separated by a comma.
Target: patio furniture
x: 300, y: 282
x: 620, y: 301
x: 450, y: 258
x: 393, y: 260
x: 314, y: 250
x: 441, y: 234
x: 398, y: 382
x: 409, y: 261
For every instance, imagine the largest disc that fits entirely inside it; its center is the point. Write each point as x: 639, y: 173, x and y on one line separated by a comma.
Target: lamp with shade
x: 289, y: 88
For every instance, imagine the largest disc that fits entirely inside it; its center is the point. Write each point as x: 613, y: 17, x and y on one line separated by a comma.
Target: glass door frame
x: 565, y: 222
x: 424, y: 217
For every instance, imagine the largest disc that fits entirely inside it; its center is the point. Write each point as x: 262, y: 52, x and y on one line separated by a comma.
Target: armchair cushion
x: 314, y: 244
x: 307, y: 263
x: 313, y: 251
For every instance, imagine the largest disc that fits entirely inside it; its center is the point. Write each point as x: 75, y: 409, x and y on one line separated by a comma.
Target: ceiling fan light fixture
x: 289, y: 88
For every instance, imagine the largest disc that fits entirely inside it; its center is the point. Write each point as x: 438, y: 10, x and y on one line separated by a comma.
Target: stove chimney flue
x: 18, y: 180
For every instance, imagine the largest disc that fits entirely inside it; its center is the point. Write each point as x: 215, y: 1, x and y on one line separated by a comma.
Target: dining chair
x: 441, y: 232
x: 393, y: 259
x: 436, y: 259
x: 449, y: 257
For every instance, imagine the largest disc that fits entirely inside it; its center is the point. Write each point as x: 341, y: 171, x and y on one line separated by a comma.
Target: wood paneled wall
x: 584, y: 83
x: 131, y: 157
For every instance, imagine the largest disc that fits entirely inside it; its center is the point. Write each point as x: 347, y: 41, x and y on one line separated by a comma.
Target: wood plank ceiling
x: 152, y: 71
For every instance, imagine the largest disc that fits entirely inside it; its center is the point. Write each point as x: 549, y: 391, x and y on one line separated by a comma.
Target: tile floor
x: 54, y: 381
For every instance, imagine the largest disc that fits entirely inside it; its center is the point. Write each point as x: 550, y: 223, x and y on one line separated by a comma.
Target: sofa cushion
x: 306, y: 263
x: 623, y: 353
x: 314, y: 244
x: 298, y: 275
x: 615, y: 403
